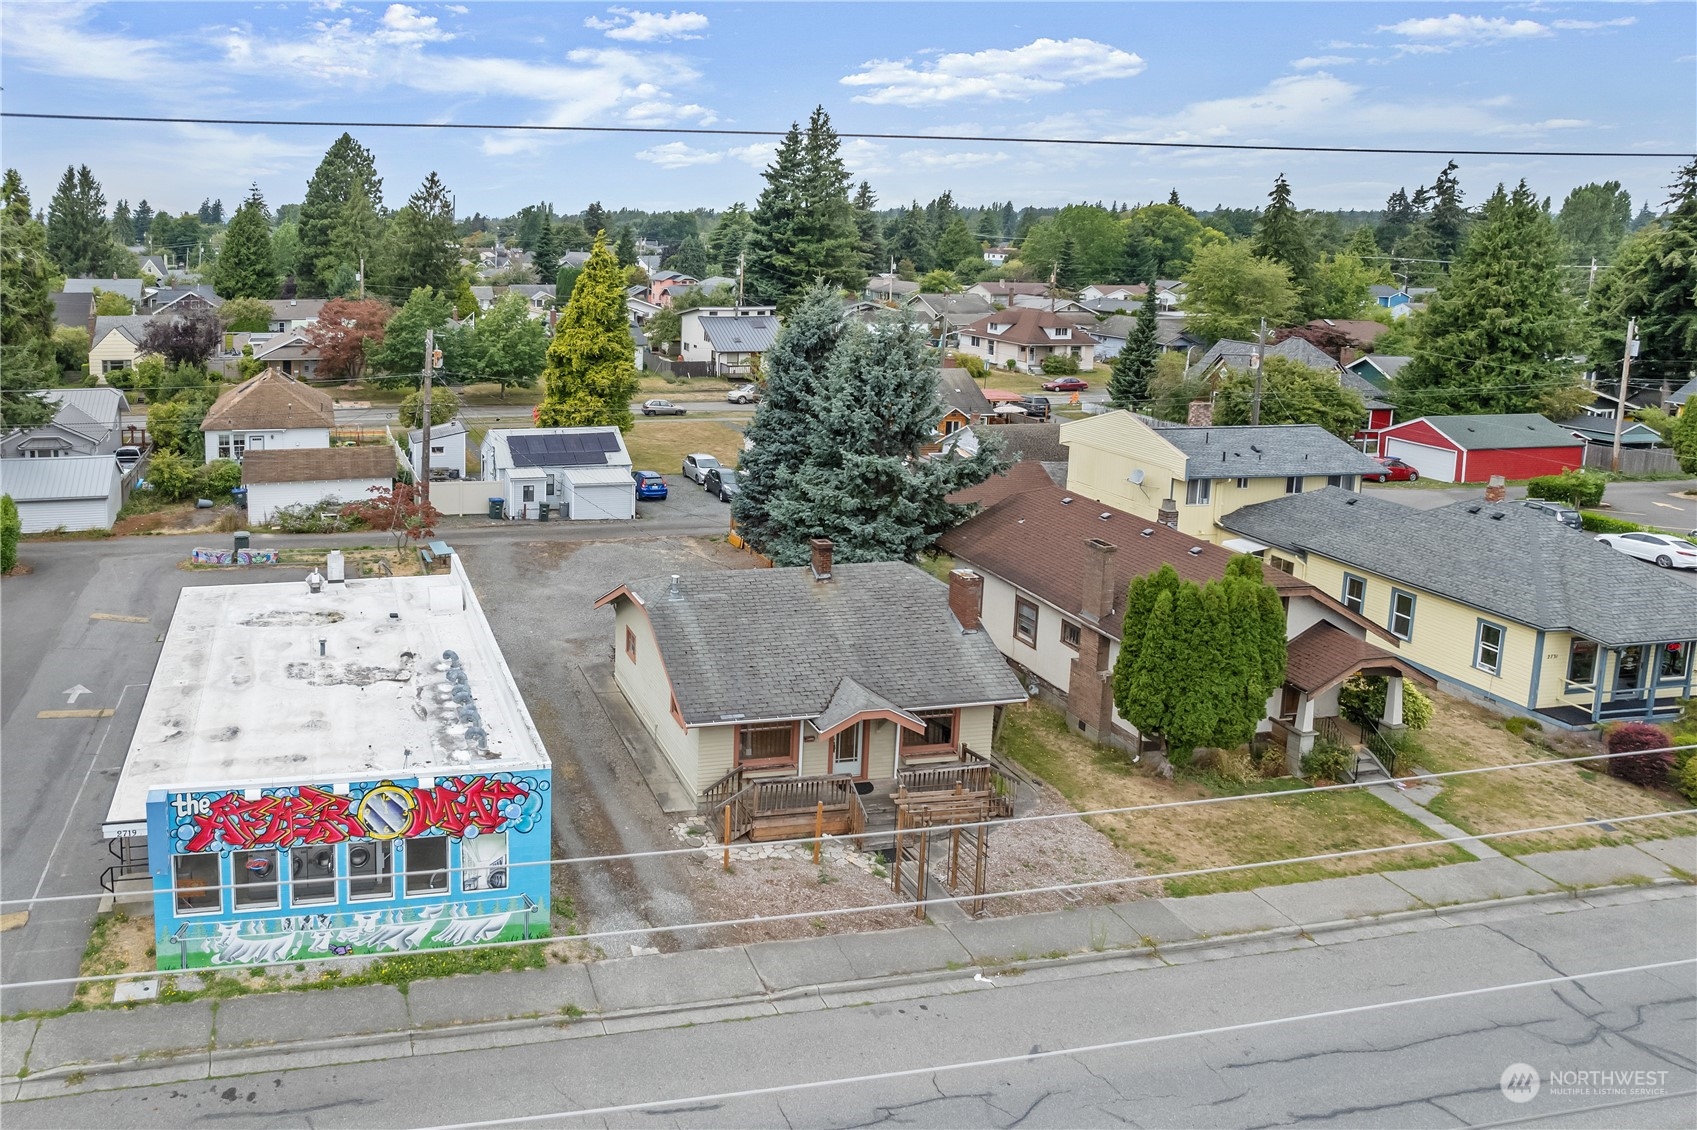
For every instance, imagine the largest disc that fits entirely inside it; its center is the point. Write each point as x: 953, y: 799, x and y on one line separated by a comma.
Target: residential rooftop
x: 1231, y: 452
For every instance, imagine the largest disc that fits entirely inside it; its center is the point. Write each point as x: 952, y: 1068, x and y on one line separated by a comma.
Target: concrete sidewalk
x: 148, y: 1044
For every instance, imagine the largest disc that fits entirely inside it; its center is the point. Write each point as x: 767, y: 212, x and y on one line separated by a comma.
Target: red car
x: 1395, y: 471
x: 1065, y: 384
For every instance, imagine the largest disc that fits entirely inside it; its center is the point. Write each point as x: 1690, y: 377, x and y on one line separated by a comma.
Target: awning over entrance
x: 1242, y: 545
x: 1325, y: 655
x: 851, y: 702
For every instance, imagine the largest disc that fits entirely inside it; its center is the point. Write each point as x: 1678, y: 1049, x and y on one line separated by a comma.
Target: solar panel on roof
x: 556, y: 450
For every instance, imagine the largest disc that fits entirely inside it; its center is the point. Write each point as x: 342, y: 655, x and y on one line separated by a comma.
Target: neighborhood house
x: 268, y: 412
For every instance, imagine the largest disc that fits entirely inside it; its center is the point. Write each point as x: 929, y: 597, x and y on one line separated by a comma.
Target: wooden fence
x: 1633, y: 460
x: 684, y: 369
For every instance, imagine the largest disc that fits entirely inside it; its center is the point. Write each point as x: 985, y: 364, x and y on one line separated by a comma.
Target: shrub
x: 171, y: 476
x: 1329, y: 760
x: 1647, y: 769
x: 973, y: 364
x: 11, y: 527
x: 1395, y: 749
x: 1603, y: 524
x: 219, y: 477
x: 1688, y: 779
x: 1270, y: 760
x: 1060, y: 364
x: 1362, y: 701
x: 1010, y: 364
x: 322, y: 517
x: 1519, y: 724
x: 1579, y: 489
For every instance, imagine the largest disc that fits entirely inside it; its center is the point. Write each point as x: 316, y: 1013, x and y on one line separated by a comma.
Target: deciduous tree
x: 590, y: 375
x: 1594, y: 219
x: 342, y: 332
x: 245, y: 315
x: 188, y: 338
x: 1231, y: 289
x: 398, y: 360
x: 444, y: 406
x: 1292, y: 393
x: 400, y: 510
x: 504, y: 345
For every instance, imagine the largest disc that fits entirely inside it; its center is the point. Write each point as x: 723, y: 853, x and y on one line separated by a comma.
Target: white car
x: 696, y: 467
x: 1664, y: 549
x: 743, y: 394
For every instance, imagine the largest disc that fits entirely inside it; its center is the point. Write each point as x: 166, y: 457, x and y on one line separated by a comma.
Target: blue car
x: 649, y: 484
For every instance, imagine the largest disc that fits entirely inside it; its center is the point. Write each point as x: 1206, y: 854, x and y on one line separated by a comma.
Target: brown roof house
x: 1022, y: 337
x: 1055, y: 567
x: 309, y: 475
x: 269, y: 412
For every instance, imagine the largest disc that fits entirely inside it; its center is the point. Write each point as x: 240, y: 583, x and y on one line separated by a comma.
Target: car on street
x: 696, y: 467
x: 721, y: 483
x: 128, y: 457
x: 1066, y: 384
x: 1664, y: 549
x: 1036, y: 407
x: 661, y: 408
x: 649, y: 484
x: 743, y: 394
x: 1566, y: 515
x: 1394, y: 471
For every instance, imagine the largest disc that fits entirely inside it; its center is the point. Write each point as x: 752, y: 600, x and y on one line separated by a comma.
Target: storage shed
x: 310, y: 474
x: 1470, y: 449
x: 76, y: 492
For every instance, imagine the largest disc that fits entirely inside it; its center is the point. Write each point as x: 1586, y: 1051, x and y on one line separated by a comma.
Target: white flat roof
x: 241, y: 697
x: 600, y: 476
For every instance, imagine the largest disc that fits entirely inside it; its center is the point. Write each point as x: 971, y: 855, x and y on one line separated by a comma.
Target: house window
x: 1293, y: 484
x: 766, y: 743
x: 1673, y: 662
x: 427, y: 865
x: 630, y: 644
x: 1281, y: 564
x: 939, y: 735
x: 1582, y: 662
x: 1243, y: 484
x: 230, y: 447
x: 196, y: 879
x: 950, y: 427
x: 990, y: 349
x: 1488, y: 648
x: 1354, y: 592
x: 371, y: 869
x: 1402, y: 614
x: 1347, y: 482
x: 312, y: 872
x: 483, y: 863
x: 1070, y: 634
x: 113, y: 366
x: 1025, y: 621
x: 45, y: 452
x: 1197, y: 492
x: 976, y: 343
x: 255, y: 877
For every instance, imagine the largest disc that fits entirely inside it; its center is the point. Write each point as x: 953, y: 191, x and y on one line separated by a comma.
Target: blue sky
x: 1525, y: 76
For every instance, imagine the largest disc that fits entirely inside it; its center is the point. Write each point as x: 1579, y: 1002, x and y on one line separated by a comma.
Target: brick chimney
x: 1167, y: 515
x: 966, y: 598
x: 1201, y: 414
x: 821, y: 558
x: 1098, y: 579
x: 1495, y: 490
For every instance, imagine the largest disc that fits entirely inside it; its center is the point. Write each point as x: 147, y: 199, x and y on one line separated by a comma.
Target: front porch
x: 1318, y: 662
x: 1632, y: 681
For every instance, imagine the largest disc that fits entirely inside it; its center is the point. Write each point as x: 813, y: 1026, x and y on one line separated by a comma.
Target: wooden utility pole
x: 362, y: 278
x: 1620, y: 405
x: 423, y: 460
x: 1260, y: 364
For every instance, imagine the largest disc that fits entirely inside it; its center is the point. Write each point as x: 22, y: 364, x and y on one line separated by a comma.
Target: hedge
x: 1603, y: 524
x: 1576, y: 488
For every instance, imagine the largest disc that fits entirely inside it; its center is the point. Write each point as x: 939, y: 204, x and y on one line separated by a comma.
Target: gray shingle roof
x: 1683, y: 393
x: 1521, y: 566
x: 1114, y: 326
x: 1270, y: 450
x: 1495, y: 433
x: 1238, y: 354
x: 750, y: 644
x: 752, y: 334
x: 1371, y: 394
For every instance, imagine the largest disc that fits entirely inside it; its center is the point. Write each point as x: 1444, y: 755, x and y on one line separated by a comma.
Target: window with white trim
x: 1197, y: 492
x: 1025, y: 621
x: 1488, y: 647
x: 1401, y: 623
x: 1354, y: 592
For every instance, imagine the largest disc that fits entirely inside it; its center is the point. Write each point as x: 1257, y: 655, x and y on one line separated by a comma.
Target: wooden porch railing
x: 719, y: 792
x: 799, y: 794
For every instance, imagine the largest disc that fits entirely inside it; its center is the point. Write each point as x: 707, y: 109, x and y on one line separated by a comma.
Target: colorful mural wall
x: 281, y: 873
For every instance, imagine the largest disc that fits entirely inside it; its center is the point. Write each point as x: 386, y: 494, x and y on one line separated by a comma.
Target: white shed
x: 306, y: 475
x: 599, y: 492
x: 75, y: 492
x: 582, y: 473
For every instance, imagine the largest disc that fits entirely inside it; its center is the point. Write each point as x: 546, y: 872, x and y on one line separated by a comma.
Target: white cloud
x: 663, y: 111
x: 757, y: 155
x: 649, y: 27
x: 405, y: 25
x: 1310, y: 62
x: 458, y: 9
x: 677, y: 155
x: 1042, y: 66
x: 56, y: 39
x: 950, y: 158
x: 1561, y: 123
x: 1458, y: 29
x: 1593, y: 25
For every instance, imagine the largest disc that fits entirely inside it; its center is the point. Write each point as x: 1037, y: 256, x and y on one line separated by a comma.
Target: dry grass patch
x: 1249, y: 831
x: 1463, y: 736
x: 660, y: 445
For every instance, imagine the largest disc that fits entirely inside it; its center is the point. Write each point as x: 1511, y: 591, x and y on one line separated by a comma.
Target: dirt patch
x: 21, y: 569
x: 177, y: 518
x: 1046, y: 853
x: 781, y: 886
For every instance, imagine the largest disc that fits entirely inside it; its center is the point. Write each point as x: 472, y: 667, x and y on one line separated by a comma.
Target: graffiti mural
x: 235, y: 557
x: 304, y: 815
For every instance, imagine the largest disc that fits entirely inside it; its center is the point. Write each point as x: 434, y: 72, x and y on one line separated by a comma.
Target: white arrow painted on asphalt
x: 75, y: 693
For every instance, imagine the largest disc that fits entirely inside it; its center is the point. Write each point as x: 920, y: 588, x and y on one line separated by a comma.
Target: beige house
x: 269, y: 412
x: 116, y: 342
x: 1191, y: 477
x: 1025, y: 337
x: 847, y: 671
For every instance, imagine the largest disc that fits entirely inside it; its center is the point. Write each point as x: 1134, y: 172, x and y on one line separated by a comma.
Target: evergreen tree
x: 355, y: 237
x: 625, y: 250
x: 26, y: 313
x: 1143, y: 693
x: 590, y: 375
x: 908, y: 239
x: 1447, y: 223
x: 782, y: 431
x: 1594, y: 219
x: 204, y: 214
x: 594, y: 219
x: 691, y: 259
x: 872, y: 254
x: 1066, y: 272
x: 1653, y: 279
x: 864, y: 484
x: 398, y: 361
x: 245, y: 269
x: 804, y: 225
x: 1141, y: 597
x: 545, y: 251
x: 420, y: 247
x: 1500, y: 334
x: 1173, y: 200
x: 729, y: 239
x: 79, y: 240
x: 123, y: 224
x: 142, y: 221
x: 1283, y: 238
x: 956, y: 246
x: 1134, y: 365
x: 346, y: 165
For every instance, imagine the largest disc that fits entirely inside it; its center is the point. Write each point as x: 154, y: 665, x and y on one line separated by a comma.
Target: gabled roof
x: 959, y: 391
x: 301, y: 309
x: 1505, y: 431
x: 1020, y: 477
x: 129, y: 288
x: 1117, y: 326
x: 293, y: 346
x: 1029, y: 326
x: 1682, y: 394
x: 270, y: 401
x: 1362, y: 331
x: 1239, y: 354
x: 71, y: 308
x: 1504, y: 560
x: 102, y: 405
x: 161, y: 300
x: 318, y: 464
x: 132, y: 326
x: 751, y: 644
x: 731, y: 334
x: 1325, y: 655
x: 1000, y: 289
x: 1601, y: 429
x: 67, y: 478
x: 1264, y: 451
x: 958, y: 309
x: 454, y: 427
x: 1386, y: 365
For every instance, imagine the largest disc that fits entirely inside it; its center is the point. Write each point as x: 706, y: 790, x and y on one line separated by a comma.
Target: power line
x: 709, y: 132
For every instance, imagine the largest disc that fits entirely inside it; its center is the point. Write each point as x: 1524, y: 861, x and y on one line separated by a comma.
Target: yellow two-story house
x: 1495, y: 600
x: 1142, y: 467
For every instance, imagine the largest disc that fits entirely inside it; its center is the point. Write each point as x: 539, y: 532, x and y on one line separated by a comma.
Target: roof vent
x: 1067, y: 501
x: 1497, y: 515
x: 1104, y: 515
x: 1350, y: 501
x: 1148, y: 531
x: 1255, y: 449
x: 1474, y: 509
x: 1196, y: 551
x: 672, y: 592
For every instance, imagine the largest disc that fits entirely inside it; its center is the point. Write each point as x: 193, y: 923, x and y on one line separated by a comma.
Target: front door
x: 848, y: 751
x: 1630, y: 674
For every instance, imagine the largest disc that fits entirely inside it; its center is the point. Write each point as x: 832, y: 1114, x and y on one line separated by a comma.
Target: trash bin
x: 543, y: 514
x: 239, y: 495
x: 495, y: 507
x: 241, y: 539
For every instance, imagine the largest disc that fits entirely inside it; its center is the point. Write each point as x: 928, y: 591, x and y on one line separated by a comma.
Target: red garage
x: 1470, y: 449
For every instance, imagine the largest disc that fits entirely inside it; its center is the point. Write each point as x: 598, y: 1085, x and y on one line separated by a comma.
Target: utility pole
x: 1260, y: 364
x: 362, y: 278
x: 423, y: 460
x: 739, y: 279
x: 1591, y: 280
x: 1620, y: 405
x: 1054, y: 274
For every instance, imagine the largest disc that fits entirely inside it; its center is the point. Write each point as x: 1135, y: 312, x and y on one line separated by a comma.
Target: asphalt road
x: 1650, y: 504
x: 1248, y: 1041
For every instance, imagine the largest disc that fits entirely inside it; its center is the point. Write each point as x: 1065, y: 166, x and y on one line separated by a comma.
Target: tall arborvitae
x: 26, y: 312
x: 245, y: 268
x: 346, y: 165
x: 590, y: 376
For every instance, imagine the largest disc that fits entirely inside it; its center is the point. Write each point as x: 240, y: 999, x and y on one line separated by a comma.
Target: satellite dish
x: 1136, y: 476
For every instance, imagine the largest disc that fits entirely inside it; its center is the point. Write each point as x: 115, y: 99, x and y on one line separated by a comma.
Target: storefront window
x: 427, y: 865
x: 313, y: 875
x: 1673, y: 661
x: 196, y: 879
x: 484, y: 863
x: 1582, y: 662
x: 371, y: 869
x: 255, y: 877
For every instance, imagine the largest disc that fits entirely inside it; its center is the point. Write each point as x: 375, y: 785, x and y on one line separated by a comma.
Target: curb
x: 413, y: 1035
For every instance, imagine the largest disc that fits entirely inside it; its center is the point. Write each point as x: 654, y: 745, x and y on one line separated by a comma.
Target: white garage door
x: 1431, y: 462
x: 604, y: 501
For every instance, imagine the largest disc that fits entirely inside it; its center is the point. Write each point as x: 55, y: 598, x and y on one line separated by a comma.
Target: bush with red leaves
x: 1646, y: 770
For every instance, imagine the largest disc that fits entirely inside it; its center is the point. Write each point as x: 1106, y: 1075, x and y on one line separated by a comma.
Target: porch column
x: 1601, y: 676
x: 1392, y: 719
x: 1299, y: 740
x: 1652, y: 680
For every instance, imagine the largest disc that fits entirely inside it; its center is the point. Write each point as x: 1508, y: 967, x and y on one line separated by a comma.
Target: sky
x: 1534, y: 76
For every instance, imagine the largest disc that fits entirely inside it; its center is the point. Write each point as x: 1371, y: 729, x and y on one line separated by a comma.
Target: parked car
x: 1395, y: 471
x: 661, y: 408
x: 1566, y: 515
x: 1066, y: 384
x: 744, y: 394
x: 721, y: 483
x: 1664, y: 549
x: 1036, y: 407
x: 696, y: 466
x: 649, y: 484
x: 128, y: 457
